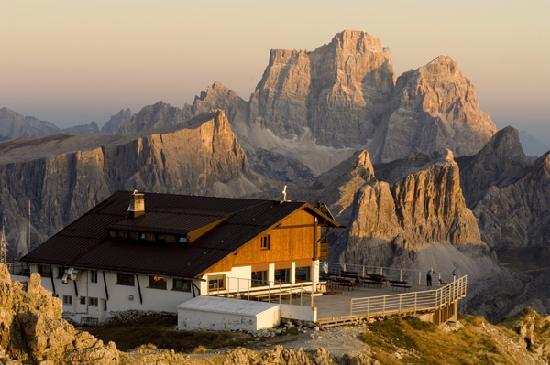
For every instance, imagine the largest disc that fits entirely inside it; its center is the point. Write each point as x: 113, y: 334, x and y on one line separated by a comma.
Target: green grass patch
x: 424, y: 343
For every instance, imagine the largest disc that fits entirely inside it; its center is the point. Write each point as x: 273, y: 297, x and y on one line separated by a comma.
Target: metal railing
x: 270, y: 291
x: 413, y: 302
x: 414, y: 277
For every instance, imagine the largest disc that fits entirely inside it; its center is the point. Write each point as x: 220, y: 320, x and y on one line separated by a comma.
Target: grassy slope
x: 397, y: 341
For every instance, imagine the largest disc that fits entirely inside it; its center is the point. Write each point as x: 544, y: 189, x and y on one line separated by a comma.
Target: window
x: 67, y: 300
x: 181, y: 285
x: 216, y: 282
x: 265, y: 242
x: 83, y: 300
x: 260, y: 278
x: 92, y: 301
x: 157, y: 282
x: 125, y: 279
x: 303, y: 274
x: 161, y: 237
x: 44, y: 270
x: 60, y: 271
x: 93, y: 277
x: 282, y: 276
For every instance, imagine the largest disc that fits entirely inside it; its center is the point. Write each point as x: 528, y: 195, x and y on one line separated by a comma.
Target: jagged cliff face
x: 499, y: 163
x: 518, y: 215
x: 217, y: 96
x: 432, y: 107
x: 425, y: 207
x: 422, y: 208
x: 339, y: 185
x: 336, y: 91
x: 14, y: 125
x: 203, y: 159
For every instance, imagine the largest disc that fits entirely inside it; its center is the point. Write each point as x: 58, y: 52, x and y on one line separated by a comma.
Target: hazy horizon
x: 74, y: 62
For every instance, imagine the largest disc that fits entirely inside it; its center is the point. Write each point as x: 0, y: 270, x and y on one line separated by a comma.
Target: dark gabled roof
x: 86, y: 243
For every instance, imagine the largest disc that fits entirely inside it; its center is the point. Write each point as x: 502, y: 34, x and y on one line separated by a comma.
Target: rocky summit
x: 425, y: 207
x: 337, y: 91
x: 432, y: 107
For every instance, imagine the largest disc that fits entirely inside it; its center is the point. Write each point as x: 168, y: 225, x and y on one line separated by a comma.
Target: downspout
x: 105, y: 284
x: 51, y: 279
x: 75, y: 288
x: 194, y: 286
x: 139, y: 290
x: 86, y: 300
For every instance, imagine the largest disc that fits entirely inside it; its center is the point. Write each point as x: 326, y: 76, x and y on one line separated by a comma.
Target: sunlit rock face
x: 434, y: 107
x: 204, y: 159
x: 336, y: 91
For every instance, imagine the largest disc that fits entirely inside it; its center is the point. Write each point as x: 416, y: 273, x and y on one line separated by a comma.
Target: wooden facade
x: 292, y: 239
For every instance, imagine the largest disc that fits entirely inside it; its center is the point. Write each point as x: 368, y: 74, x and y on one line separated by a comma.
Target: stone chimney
x: 136, y: 208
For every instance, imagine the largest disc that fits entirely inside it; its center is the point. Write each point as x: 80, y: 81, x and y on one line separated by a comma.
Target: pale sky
x: 75, y: 61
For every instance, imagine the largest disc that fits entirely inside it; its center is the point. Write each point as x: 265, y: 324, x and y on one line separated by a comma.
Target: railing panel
x: 422, y: 300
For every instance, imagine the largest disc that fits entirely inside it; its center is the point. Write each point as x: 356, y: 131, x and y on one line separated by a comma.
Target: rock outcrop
x: 425, y: 207
x: 203, y: 159
x: 32, y: 330
x: 499, y: 163
x: 158, y: 117
x: 518, y: 215
x: 336, y: 91
x: 217, y: 96
x: 14, y: 125
x: 89, y: 128
x: 434, y: 107
x: 113, y: 124
x: 339, y: 185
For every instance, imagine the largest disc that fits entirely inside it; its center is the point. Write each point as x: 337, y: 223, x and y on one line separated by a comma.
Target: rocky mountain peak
x: 113, y: 124
x: 357, y: 40
x: 363, y: 161
x: 435, y: 106
x: 442, y: 64
x: 158, y: 117
x: 336, y: 92
x: 14, y: 125
x: 499, y: 163
x: 426, y: 207
x: 218, y: 96
x: 505, y: 140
